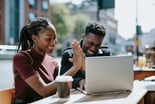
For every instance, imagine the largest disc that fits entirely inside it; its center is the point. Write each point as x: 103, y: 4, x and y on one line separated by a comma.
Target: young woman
x: 34, y: 70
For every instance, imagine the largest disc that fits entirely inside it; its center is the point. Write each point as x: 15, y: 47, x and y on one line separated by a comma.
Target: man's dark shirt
x: 66, y: 64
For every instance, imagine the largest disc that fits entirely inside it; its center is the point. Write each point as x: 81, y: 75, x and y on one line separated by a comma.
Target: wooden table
x: 136, y: 96
x: 140, y: 74
x: 143, y: 93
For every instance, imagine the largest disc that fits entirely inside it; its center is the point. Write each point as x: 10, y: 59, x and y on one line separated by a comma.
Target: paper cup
x: 64, y: 84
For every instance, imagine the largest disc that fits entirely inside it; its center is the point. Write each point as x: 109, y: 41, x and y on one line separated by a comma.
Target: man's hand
x: 83, y: 64
x: 82, y: 84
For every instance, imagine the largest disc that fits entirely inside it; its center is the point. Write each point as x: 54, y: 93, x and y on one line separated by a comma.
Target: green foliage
x: 80, y: 21
x: 61, y: 19
x: 67, y: 24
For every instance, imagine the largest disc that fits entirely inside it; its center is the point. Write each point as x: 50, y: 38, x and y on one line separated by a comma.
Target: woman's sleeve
x: 23, y: 66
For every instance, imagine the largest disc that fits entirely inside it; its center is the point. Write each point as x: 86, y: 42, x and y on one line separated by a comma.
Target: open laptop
x: 109, y: 74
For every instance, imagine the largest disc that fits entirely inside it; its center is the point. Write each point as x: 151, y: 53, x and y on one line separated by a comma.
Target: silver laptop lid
x: 109, y: 73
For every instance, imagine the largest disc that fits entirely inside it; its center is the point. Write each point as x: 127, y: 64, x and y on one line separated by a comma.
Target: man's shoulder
x: 104, y: 50
x: 68, y: 50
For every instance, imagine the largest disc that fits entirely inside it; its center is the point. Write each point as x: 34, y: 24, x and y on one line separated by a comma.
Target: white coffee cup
x: 64, y: 84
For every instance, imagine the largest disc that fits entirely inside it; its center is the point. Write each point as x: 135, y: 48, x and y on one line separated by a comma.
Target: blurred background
x: 130, y: 24
x: 71, y: 16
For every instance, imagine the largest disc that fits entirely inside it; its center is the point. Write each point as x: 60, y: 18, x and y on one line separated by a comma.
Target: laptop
x: 109, y: 74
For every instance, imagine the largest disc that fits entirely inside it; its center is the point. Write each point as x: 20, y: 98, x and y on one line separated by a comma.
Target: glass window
x: 44, y: 5
x: 33, y: 4
x: 31, y: 16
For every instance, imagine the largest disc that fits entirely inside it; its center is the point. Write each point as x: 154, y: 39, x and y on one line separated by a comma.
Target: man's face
x: 91, y: 44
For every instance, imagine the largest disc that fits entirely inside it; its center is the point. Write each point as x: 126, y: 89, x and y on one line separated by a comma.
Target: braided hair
x: 95, y: 28
x: 37, y: 25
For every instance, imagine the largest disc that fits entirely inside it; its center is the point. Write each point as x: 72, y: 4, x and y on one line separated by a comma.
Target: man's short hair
x: 95, y: 28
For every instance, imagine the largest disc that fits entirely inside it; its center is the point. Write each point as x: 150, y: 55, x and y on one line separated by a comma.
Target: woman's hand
x: 83, y: 64
x: 77, y: 59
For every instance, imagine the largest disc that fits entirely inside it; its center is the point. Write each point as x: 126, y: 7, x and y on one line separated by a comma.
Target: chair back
x: 6, y: 96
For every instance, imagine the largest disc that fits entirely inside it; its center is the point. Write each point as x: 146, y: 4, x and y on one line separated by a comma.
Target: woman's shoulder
x: 20, y: 56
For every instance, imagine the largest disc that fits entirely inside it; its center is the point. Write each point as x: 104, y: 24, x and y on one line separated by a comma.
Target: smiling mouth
x: 50, y: 49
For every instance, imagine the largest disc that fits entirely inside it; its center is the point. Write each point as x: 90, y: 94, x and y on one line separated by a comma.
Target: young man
x: 91, y: 45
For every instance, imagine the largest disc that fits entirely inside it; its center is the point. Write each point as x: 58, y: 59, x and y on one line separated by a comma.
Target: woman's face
x: 45, y: 41
x: 91, y: 44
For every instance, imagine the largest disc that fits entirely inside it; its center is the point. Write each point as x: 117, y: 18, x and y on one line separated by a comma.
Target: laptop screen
x: 109, y: 73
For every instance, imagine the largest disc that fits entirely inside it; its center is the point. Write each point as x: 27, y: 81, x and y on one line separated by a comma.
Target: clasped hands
x: 78, y: 60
